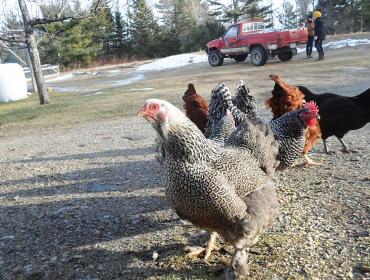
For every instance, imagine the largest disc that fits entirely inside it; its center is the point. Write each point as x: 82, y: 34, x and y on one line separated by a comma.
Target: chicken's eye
x: 154, y: 107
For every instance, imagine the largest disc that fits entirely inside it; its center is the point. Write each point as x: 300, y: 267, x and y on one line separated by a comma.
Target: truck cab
x: 251, y: 37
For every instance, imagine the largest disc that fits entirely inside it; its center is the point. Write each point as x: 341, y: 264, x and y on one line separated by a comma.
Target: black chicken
x: 340, y: 114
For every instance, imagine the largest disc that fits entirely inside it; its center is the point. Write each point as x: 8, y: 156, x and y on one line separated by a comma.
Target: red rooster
x: 196, y: 107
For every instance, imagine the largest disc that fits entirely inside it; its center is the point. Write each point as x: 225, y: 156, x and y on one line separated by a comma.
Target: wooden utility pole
x: 34, y: 53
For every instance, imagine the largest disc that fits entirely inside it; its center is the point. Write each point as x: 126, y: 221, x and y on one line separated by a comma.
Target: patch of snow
x: 128, y: 81
x: 140, y: 89
x: 60, y: 78
x: 13, y: 84
x: 173, y: 61
x: 340, y: 44
x: 114, y: 71
x: 346, y: 43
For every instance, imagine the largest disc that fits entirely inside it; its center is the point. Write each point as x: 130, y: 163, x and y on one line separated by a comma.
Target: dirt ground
x: 86, y: 201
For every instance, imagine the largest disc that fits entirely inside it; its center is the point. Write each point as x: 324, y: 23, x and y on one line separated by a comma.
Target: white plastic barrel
x: 13, y: 84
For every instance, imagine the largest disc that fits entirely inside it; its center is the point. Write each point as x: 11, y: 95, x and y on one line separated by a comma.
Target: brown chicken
x: 286, y: 98
x: 196, y: 107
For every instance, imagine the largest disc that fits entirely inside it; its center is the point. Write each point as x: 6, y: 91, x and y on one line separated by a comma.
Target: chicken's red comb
x: 312, y: 106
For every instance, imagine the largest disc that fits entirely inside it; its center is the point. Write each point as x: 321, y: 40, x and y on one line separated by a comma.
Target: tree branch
x: 38, y: 21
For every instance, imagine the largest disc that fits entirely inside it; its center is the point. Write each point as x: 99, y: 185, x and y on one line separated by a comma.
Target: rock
x: 98, y: 187
x: 53, y: 259
x: 155, y: 255
x: 7, y: 238
x: 61, y: 211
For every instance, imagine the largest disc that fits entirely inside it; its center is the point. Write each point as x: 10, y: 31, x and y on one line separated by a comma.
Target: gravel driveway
x: 87, y: 203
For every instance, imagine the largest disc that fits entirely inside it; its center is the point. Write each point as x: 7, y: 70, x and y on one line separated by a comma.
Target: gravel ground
x: 87, y: 203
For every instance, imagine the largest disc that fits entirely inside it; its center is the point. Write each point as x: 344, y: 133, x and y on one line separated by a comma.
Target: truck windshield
x: 232, y: 32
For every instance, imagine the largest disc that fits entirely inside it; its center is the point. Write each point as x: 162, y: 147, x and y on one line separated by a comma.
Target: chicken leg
x: 308, y: 161
x: 196, y: 251
x: 344, y: 146
x: 326, y: 147
x: 239, y: 265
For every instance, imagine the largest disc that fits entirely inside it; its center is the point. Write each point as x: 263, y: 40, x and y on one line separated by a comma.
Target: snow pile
x: 173, y: 61
x: 346, y: 43
x: 59, y: 78
x: 341, y: 44
x: 13, y: 84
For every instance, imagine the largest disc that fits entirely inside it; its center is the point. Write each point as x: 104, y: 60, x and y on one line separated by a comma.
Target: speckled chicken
x: 286, y: 98
x: 289, y: 129
x: 220, y: 189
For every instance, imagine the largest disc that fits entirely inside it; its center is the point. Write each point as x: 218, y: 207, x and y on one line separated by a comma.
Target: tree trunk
x: 34, y: 53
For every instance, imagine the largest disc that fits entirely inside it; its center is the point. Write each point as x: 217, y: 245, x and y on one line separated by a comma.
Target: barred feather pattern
x: 290, y: 131
x: 242, y: 100
x: 207, y: 185
x: 223, y: 129
x: 257, y: 137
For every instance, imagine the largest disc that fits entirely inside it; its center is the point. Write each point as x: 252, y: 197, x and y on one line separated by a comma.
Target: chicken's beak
x: 318, y: 117
x: 142, y: 112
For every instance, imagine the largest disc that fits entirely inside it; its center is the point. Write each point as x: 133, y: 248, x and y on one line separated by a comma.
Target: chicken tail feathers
x: 255, y: 135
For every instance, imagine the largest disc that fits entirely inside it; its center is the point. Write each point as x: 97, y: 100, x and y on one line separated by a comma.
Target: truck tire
x: 241, y: 58
x: 215, y: 59
x: 258, y: 56
x: 285, y: 56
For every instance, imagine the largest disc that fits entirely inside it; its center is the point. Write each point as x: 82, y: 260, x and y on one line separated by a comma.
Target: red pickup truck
x: 251, y: 37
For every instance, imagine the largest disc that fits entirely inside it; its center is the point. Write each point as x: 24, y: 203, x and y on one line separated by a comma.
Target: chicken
x: 196, y: 107
x: 289, y: 129
x: 220, y: 189
x: 286, y: 98
x: 340, y: 114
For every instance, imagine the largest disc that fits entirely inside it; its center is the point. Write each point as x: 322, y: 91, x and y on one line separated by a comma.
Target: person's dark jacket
x: 319, y: 29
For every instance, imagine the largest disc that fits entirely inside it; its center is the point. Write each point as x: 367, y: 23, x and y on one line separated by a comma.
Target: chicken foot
x: 196, y: 250
x: 308, y: 161
x: 239, y: 265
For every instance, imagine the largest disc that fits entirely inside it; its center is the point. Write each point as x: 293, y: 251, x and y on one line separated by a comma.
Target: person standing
x: 319, y: 33
x: 310, y: 25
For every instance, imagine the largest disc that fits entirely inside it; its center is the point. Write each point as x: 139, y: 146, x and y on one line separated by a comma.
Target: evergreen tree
x: 119, y: 37
x: 177, y: 23
x: 77, y: 42
x: 287, y: 16
x: 239, y: 10
x: 344, y: 16
x: 364, y: 15
x: 144, y: 30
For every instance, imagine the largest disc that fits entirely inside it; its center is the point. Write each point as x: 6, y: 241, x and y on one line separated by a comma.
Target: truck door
x: 231, y: 41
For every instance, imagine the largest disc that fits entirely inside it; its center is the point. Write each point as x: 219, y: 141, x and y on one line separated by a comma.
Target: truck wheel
x: 258, y: 56
x: 286, y: 56
x: 215, y: 59
x: 241, y: 58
